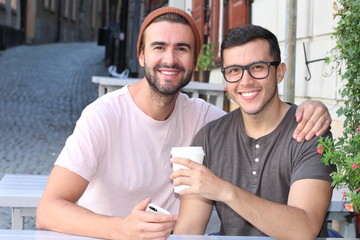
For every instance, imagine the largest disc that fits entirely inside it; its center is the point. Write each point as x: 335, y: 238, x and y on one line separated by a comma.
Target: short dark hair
x: 241, y: 35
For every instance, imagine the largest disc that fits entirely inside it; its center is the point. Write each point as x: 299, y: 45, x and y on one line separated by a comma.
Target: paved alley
x: 43, y: 90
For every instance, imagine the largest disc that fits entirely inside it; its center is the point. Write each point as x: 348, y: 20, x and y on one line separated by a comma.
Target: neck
x: 264, y: 122
x: 153, y: 104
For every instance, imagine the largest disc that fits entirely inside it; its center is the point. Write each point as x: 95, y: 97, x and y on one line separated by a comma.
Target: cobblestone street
x: 43, y: 90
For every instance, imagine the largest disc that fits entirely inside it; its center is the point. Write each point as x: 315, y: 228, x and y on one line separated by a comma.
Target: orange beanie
x: 166, y: 10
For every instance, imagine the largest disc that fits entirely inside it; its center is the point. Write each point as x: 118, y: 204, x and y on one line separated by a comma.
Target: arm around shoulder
x: 313, y: 118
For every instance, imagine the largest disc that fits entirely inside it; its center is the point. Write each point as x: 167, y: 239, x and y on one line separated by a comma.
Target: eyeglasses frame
x: 246, y: 67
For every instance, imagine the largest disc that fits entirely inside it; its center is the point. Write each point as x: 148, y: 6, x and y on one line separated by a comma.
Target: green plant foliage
x: 345, y: 155
x: 206, y: 57
x: 345, y: 151
x: 348, y: 45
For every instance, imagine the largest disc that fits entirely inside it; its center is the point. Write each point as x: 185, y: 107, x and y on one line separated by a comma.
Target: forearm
x: 67, y: 217
x: 194, y: 215
x: 187, y: 225
x: 276, y: 220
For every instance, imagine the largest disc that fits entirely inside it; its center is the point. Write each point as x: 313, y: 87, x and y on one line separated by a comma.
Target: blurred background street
x: 50, y: 49
x: 43, y: 90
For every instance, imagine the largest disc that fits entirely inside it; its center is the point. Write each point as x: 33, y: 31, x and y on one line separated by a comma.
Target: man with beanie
x: 117, y: 160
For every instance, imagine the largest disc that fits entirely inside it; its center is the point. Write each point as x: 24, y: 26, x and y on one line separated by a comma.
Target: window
x: 49, y: 5
x: 13, y: 4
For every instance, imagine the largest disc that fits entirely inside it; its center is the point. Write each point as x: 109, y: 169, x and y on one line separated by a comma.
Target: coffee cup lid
x: 188, y: 150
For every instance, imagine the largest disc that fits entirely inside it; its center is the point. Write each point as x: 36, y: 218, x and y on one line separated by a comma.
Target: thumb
x: 141, y: 206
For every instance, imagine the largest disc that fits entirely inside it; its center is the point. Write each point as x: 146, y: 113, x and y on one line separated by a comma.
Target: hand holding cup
x: 195, y: 154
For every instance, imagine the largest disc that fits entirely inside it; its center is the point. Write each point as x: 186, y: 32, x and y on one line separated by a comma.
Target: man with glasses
x: 261, y: 181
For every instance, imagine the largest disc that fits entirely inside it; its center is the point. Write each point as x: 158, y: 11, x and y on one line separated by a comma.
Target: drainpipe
x: 81, y: 21
x: 123, y: 36
x: 8, y: 13
x: 58, y: 24
x: 290, y: 50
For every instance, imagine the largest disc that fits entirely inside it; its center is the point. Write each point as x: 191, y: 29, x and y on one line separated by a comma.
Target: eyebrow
x: 178, y: 44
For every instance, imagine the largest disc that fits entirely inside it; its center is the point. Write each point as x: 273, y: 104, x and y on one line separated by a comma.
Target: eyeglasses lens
x: 256, y: 70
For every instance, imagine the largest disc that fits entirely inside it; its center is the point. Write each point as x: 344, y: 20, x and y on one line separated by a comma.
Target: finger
x: 159, y: 222
x: 299, y: 128
x: 182, y: 181
x: 326, y: 122
x: 157, y: 231
x: 312, y: 115
x: 181, y: 172
x: 324, y: 128
x: 312, y: 128
x: 302, y: 119
x: 322, y: 120
x: 306, y: 131
x: 160, y: 218
x: 315, y: 120
x: 141, y: 206
x: 317, y: 127
x: 153, y: 231
x: 299, y: 113
x: 179, y: 160
x: 185, y: 162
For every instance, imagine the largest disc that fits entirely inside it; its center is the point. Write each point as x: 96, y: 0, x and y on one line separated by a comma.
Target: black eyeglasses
x: 257, y: 70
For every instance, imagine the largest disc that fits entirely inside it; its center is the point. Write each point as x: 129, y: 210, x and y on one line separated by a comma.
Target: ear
x: 280, y: 72
x: 141, y: 58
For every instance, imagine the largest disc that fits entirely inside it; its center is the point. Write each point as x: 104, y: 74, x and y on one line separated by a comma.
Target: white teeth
x: 249, y: 94
x: 169, y: 73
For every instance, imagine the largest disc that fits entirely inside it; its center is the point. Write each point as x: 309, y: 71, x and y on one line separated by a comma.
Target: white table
x: 211, y: 90
x: 337, y: 212
x: 48, y: 235
x: 22, y: 193
x: 38, y: 235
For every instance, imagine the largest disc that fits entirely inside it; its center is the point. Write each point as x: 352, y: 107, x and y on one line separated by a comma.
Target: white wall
x: 185, y: 5
x: 315, y: 24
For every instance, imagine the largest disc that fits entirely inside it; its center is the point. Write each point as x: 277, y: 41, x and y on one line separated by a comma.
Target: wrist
x: 229, y: 193
x: 114, y: 228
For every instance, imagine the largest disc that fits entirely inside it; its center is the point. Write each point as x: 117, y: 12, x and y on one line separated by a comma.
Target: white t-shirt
x: 125, y: 154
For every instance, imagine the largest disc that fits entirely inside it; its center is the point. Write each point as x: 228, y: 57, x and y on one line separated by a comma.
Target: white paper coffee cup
x: 195, y: 154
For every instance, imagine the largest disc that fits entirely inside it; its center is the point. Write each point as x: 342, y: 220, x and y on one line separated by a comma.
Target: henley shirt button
x: 254, y: 173
x: 257, y: 146
x: 257, y: 160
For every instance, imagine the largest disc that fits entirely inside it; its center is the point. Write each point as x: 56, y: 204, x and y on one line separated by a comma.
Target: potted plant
x: 344, y: 152
x: 205, y: 62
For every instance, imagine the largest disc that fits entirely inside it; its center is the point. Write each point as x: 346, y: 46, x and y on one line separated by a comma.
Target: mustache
x: 175, y: 66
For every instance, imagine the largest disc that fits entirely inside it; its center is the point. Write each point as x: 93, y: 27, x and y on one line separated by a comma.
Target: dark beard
x: 153, y: 80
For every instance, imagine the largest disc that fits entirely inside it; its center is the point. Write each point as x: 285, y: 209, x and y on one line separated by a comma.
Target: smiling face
x: 253, y: 95
x: 168, y: 56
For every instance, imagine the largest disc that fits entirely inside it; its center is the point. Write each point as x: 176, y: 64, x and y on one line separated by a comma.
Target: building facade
x: 11, y: 23
x: 116, y: 23
x: 46, y: 21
